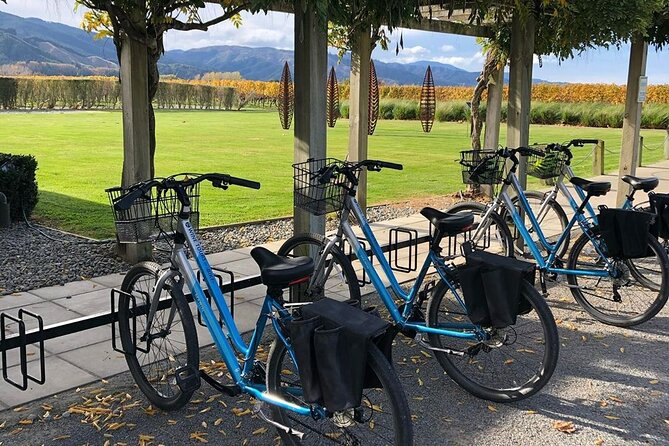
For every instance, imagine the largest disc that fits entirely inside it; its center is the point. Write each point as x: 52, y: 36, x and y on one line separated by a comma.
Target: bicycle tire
x: 497, y: 360
x: 348, y: 288
x: 558, y: 213
x: 502, y: 234
x: 159, y: 386
x: 598, y: 290
x: 280, y: 368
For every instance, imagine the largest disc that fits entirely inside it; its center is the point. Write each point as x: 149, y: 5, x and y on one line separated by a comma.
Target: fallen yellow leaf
x: 599, y: 442
x: 611, y: 417
x: 259, y: 431
x: 566, y: 427
x: 654, y: 381
x: 492, y: 408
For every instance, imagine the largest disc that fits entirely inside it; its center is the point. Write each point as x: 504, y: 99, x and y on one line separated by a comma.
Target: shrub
x: 343, y: 110
x: 405, y: 110
x: 18, y: 183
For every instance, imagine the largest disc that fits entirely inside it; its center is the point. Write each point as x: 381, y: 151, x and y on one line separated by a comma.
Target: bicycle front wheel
x: 513, y: 364
x: 492, y: 234
x: 383, y: 418
x: 335, y: 279
x: 171, y: 343
x: 620, y: 298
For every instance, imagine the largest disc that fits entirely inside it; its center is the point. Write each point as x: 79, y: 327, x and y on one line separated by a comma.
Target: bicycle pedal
x: 258, y: 410
x: 188, y: 378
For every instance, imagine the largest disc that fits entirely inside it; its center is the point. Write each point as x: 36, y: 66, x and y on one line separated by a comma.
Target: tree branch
x: 183, y: 26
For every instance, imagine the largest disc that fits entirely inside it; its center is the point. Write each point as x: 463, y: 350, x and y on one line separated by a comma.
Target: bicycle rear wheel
x: 623, y: 300
x: 550, y: 215
x: 172, y: 341
x: 337, y: 280
x: 515, y: 363
x: 382, y: 419
x: 495, y: 236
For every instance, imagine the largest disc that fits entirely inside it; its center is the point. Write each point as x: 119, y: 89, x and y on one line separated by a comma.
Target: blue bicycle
x: 613, y: 289
x: 502, y: 364
x: 160, y: 342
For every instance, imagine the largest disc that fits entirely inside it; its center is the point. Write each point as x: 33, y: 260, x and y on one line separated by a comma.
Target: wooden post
x: 598, y: 159
x: 629, y: 152
x: 666, y: 145
x: 520, y: 91
x: 136, y: 156
x: 359, y: 107
x: 640, y: 163
x: 310, y: 102
x: 493, y: 117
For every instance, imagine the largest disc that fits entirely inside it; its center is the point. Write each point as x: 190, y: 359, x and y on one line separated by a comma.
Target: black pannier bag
x: 492, y: 288
x: 659, y: 205
x: 330, y: 343
x: 625, y: 232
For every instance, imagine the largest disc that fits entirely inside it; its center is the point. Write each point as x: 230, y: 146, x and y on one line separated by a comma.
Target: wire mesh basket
x: 548, y: 166
x: 153, y: 215
x: 311, y: 195
x: 491, y: 172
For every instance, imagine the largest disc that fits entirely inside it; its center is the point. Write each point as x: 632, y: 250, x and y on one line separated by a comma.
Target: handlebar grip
x: 389, y: 165
x: 244, y: 183
x: 124, y: 202
x: 580, y: 142
x: 525, y: 151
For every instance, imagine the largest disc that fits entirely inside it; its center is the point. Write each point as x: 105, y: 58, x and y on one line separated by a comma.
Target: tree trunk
x: 490, y: 68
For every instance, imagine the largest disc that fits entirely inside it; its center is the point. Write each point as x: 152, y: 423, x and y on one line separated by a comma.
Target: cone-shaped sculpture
x: 332, y: 98
x: 373, y: 98
x: 286, y: 101
x: 428, y: 101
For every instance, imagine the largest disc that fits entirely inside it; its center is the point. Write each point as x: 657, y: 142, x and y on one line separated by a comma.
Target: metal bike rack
x: 22, y: 344
x: 43, y: 333
x: 219, y: 278
x: 393, y: 252
x: 348, y: 252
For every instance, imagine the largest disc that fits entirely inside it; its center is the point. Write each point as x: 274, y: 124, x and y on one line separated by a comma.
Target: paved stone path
x: 611, y: 383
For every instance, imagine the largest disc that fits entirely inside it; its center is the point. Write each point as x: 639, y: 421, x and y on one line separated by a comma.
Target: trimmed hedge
x: 18, y: 183
x: 590, y: 114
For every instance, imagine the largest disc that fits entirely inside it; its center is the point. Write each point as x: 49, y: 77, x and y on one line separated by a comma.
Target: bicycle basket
x: 492, y: 172
x: 548, y: 166
x: 152, y: 216
x: 311, y: 195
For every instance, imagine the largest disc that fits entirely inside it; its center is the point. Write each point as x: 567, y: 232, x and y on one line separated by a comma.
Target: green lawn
x: 80, y: 154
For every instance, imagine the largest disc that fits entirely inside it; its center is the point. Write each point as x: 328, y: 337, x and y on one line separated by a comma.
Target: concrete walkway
x: 78, y: 359
x: 85, y: 357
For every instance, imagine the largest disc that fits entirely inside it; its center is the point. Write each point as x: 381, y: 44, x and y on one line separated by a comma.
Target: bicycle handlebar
x: 325, y: 174
x: 139, y: 190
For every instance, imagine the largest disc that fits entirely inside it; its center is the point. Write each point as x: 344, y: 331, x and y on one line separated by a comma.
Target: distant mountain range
x: 33, y: 46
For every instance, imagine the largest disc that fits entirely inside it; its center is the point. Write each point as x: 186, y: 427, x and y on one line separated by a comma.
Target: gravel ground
x: 39, y: 257
x: 611, y: 383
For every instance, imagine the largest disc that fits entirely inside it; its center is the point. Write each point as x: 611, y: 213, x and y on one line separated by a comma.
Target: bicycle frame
x: 544, y: 263
x: 230, y: 342
x: 345, y: 230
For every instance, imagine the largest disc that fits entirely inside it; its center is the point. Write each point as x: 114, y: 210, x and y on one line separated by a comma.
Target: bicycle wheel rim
x: 377, y: 421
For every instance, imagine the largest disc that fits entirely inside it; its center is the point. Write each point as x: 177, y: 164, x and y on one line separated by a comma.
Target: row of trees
x: 83, y: 94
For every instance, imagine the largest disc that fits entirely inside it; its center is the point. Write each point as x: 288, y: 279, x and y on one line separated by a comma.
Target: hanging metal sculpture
x: 428, y: 101
x: 332, y: 99
x: 373, y: 99
x: 286, y: 98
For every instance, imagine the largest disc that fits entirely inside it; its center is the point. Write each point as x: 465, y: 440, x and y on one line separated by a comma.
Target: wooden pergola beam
x: 629, y: 152
x: 450, y: 27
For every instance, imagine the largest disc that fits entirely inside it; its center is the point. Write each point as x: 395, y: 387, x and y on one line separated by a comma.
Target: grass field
x: 80, y: 154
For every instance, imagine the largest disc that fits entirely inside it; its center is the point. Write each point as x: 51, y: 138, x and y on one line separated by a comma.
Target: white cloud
x: 447, y: 48
x: 474, y: 61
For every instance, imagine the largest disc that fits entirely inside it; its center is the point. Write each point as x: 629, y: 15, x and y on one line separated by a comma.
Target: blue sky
x: 276, y: 30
